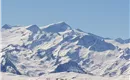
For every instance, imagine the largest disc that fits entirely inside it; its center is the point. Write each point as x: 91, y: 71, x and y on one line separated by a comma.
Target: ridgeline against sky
x: 107, y: 18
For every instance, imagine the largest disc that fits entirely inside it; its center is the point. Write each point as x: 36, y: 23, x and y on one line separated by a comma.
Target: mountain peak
x: 122, y: 41
x: 61, y: 22
x: 33, y: 28
x: 6, y: 26
x: 57, y: 27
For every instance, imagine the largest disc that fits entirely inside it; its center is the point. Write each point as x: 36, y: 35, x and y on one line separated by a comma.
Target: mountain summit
x: 6, y: 26
x: 57, y: 27
x: 33, y: 28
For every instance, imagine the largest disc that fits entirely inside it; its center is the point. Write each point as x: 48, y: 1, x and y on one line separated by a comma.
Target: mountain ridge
x: 45, y: 50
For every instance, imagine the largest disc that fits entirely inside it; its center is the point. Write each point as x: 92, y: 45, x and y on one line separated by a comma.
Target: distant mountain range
x: 35, y: 51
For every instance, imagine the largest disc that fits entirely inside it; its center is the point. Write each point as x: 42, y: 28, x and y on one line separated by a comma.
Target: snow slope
x: 36, y: 51
x: 62, y: 76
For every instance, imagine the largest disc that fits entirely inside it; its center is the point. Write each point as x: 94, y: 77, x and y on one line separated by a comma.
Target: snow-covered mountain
x: 122, y: 41
x: 35, y: 51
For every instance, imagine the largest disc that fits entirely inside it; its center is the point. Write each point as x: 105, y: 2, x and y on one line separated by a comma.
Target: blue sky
x: 107, y: 18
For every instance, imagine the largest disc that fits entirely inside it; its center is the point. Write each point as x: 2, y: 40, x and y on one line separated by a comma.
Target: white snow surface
x: 62, y: 76
x: 41, y: 52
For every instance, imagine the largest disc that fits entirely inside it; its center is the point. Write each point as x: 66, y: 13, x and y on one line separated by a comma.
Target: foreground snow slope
x: 35, y: 51
x: 63, y: 75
